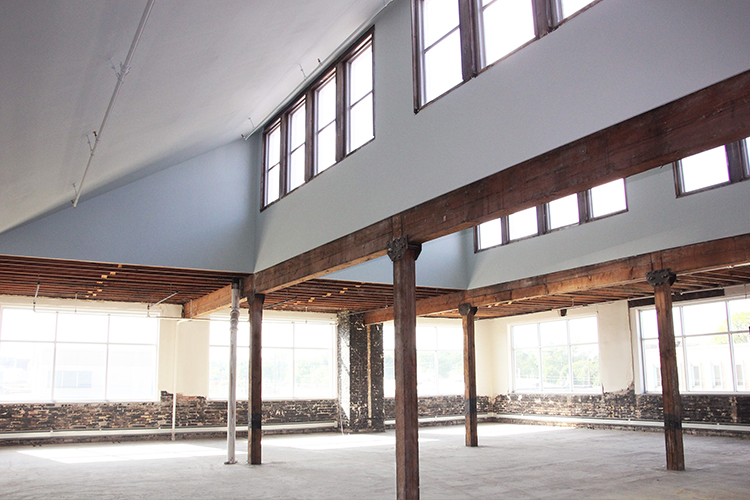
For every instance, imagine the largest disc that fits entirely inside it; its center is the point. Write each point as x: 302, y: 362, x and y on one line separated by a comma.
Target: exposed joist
x: 711, y: 117
x: 688, y: 259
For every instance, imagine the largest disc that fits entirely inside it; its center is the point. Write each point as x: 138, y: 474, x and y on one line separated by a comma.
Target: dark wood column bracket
x: 397, y: 248
x: 661, y: 277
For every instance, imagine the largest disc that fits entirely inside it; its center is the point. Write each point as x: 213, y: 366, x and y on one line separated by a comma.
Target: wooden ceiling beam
x: 711, y: 117
x: 705, y: 256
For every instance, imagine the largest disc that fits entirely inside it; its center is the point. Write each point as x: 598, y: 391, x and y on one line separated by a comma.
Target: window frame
x: 547, y: 17
x: 544, y: 225
x: 338, y: 69
x: 738, y: 168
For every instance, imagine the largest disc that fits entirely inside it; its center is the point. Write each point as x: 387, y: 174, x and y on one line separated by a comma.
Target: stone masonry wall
x: 626, y: 405
x: 191, y: 412
x: 441, y: 406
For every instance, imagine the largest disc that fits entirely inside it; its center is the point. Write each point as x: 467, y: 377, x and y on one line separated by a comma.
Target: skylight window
x: 563, y: 212
x: 706, y: 169
x: 523, y: 224
x: 490, y: 233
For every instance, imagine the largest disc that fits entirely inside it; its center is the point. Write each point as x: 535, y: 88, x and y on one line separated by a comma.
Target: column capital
x: 397, y: 248
x: 465, y: 309
x: 661, y: 277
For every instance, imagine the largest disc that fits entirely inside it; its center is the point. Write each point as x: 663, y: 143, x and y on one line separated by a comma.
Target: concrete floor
x: 513, y: 462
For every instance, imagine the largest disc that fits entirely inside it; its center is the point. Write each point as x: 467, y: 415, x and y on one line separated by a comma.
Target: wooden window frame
x: 585, y: 215
x: 339, y: 68
x: 738, y: 166
x: 547, y: 18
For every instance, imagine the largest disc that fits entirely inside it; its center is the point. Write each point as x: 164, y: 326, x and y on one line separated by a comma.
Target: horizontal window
x: 298, y: 360
x: 456, y: 39
x: 440, y: 361
x: 712, y: 168
x: 63, y: 356
x: 556, y: 356
x: 601, y: 201
x: 713, y: 347
x: 334, y: 117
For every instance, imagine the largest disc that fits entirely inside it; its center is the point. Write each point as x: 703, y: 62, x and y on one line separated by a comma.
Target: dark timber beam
x: 255, y: 407
x: 404, y: 257
x: 687, y: 259
x: 711, y: 117
x: 470, y: 374
x: 662, y: 281
x: 214, y: 301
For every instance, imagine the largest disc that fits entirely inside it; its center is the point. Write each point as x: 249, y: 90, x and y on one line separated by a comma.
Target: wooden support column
x: 470, y: 374
x: 255, y: 409
x: 404, y: 257
x: 662, y: 281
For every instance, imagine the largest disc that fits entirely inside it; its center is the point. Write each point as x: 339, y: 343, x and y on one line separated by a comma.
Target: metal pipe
x: 232, y: 400
x: 124, y: 68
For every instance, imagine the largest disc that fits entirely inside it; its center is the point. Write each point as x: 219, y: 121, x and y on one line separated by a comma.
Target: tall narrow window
x: 326, y: 124
x: 297, y: 119
x: 360, y: 102
x: 273, y: 164
x: 441, y: 47
x: 506, y: 25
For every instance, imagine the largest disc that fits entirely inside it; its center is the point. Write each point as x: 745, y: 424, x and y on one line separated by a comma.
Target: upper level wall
x: 198, y: 214
x: 616, y: 60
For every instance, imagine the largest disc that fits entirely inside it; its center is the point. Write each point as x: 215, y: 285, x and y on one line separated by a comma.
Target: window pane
x: 739, y: 315
x: 327, y: 103
x: 25, y: 324
x: 507, y: 25
x: 243, y: 373
x: 426, y: 376
x: 297, y: 168
x: 570, y: 7
x: 652, y: 365
x: 389, y: 337
x: 709, y: 365
x: 554, y: 333
x: 26, y: 371
x: 555, y: 369
x: 82, y: 328
x: 278, y: 334
x: 648, y: 324
x: 426, y: 338
x: 525, y: 336
x: 277, y: 373
x: 218, y: 372
x: 522, y: 224
x: 80, y: 371
x: 313, y: 336
x: 361, y: 123
x: 526, y: 366
x: 272, y: 184
x: 563, y: 212
x: 326, y: 147
x: 490, y: 233
x: 583, y: 331
x: 274, y: 147
x: 389, y: 374
x: 450, y: 339
x: 360, y: 75
x: 586, y: 367
x: 450, y: 372
x: 133, y: 330
x: 705, y: 318
x: 312, y: 373
x: 298, y: 119
x: 131, y: 374
x: 438, y: 18
x: 704, y: 169
x: 608, y: 198
x: 742, y: 360
x: 442, y: 66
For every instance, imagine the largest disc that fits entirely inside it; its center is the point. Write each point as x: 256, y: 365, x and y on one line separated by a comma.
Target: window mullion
x: 342, y: 98
x: 310, y: 134
x: 285, y: 131
x: 542, y: 219
x: 584, y: 206
x: 544, y: 17
x: 504, y: 228
x: 735, y: 160
x: 467, y: 22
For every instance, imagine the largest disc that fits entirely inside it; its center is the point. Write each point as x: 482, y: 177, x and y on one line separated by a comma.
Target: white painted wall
x: 616, y: 60
x: 198, y: 214
x: 494, y: 375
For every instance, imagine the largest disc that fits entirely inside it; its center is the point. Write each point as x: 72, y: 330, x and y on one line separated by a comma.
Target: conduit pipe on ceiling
x: 307, y: 78
x: 124, y: 68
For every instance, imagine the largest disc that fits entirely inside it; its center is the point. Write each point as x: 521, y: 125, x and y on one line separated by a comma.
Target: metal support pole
x: 232, y: 400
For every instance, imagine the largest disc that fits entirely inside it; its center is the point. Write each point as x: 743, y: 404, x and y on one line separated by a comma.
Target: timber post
x: 470, y: 374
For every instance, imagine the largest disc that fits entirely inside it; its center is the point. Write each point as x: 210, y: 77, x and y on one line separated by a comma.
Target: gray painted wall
x: 198, y: 214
